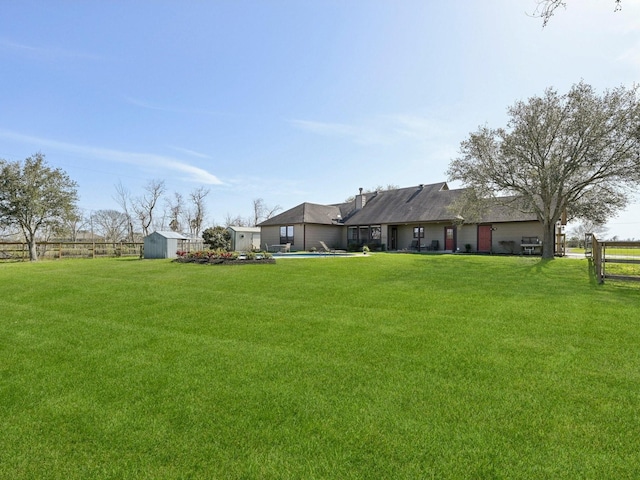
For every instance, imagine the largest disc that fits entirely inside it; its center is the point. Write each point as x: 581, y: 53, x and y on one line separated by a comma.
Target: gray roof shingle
x: 307, y: 213
x: 422, y: 203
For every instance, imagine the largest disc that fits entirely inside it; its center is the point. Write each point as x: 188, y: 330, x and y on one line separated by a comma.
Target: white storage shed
x: 163, y: 244
x: 244, y: 239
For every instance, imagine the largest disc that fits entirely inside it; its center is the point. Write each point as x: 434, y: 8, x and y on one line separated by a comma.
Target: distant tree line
x: 39, y: 203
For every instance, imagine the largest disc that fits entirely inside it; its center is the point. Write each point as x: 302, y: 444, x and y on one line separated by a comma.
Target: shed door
x: 484, y: 238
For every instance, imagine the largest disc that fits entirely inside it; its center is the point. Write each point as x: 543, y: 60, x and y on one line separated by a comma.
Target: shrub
x: 353, y: 247
x: 217, y: 238
x: 222, y: 256
x: 509, y: 246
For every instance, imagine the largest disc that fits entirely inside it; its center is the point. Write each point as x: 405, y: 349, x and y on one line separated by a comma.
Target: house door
x: 449, y: 238
x: 393, y: 238
x: 484, y: 238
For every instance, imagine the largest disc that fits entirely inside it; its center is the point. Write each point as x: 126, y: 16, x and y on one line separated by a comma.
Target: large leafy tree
x: 35, y: 198
x: 577, y: 153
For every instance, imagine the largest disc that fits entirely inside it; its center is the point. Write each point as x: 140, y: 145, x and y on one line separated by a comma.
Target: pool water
x: 311, y: 255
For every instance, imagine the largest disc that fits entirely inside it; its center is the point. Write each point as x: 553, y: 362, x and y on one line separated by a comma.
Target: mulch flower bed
x: 223, y: 258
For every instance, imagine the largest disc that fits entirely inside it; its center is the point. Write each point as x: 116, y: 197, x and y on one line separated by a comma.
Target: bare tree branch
x: 545, y: 9
x: 145, y: 205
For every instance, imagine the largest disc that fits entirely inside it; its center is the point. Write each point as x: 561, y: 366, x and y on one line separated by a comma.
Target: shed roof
x: 236, y: 228
x: 166, y: 234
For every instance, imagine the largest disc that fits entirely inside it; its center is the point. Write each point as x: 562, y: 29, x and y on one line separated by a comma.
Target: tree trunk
x: 548, y: 240
x: 33, y: 252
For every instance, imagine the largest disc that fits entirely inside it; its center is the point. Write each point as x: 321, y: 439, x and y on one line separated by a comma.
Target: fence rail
x: 613, y: 260
x: 19, y: 251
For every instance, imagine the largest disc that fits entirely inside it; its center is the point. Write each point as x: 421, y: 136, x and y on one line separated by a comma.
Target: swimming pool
x: 312, y: 255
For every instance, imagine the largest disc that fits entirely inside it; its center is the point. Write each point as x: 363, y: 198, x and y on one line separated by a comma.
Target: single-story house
x: 412, y: 218
x: 163, y: 244
x: 244, y: 238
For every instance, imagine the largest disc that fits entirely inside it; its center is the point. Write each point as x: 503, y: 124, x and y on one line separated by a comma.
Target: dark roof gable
x: 307, y: 213
x: 422, y: 203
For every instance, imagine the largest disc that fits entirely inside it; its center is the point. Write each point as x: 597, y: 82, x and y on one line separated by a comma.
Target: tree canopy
x: 218, y: 238
x: 35, y: 197
x: 577, y: 153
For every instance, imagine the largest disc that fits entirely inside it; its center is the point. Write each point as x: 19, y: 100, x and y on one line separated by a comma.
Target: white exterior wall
x: 405, y: 236
x: 244, y: 241
x: 513, y: 232
x: 269, y: 236
x: 467, y: 234
x: 298, y: 237
x: 313, y: 234
x: 432, y: 231
x: 502, y: 232
x: 309, y: 236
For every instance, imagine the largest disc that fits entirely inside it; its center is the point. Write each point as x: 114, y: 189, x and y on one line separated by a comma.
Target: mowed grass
x: 386, y: 366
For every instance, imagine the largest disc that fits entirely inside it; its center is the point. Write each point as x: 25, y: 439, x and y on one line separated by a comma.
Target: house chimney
x: 361, y: 200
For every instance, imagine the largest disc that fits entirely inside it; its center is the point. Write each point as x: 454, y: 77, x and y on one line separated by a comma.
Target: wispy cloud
x: 379, y: 130
x: 193, y: 153
x: 44, y: 52
x: 331, y: 129
x: 631, y: 56
x: 166, y: 108
x: 190, y: 172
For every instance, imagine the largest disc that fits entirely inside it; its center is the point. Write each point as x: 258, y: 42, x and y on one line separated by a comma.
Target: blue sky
x: 286, y: 100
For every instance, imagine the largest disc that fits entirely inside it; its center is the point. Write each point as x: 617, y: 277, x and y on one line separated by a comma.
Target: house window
x: 418, y: 232
x: 363, y: 235
x: 286, y: 234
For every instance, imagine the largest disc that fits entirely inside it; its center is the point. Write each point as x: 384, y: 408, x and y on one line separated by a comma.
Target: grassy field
x: 385, y: 366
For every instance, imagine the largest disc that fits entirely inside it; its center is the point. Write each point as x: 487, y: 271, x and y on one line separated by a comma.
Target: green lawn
x: 385, y: 366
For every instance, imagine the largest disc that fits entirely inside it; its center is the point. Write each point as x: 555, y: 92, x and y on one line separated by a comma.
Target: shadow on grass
x: 618, y: 284
x: 541, y: 265
x: 591, y: 272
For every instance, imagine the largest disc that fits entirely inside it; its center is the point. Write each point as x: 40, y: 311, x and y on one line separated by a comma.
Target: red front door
x: 484, y: 238
x: 449, y: 239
